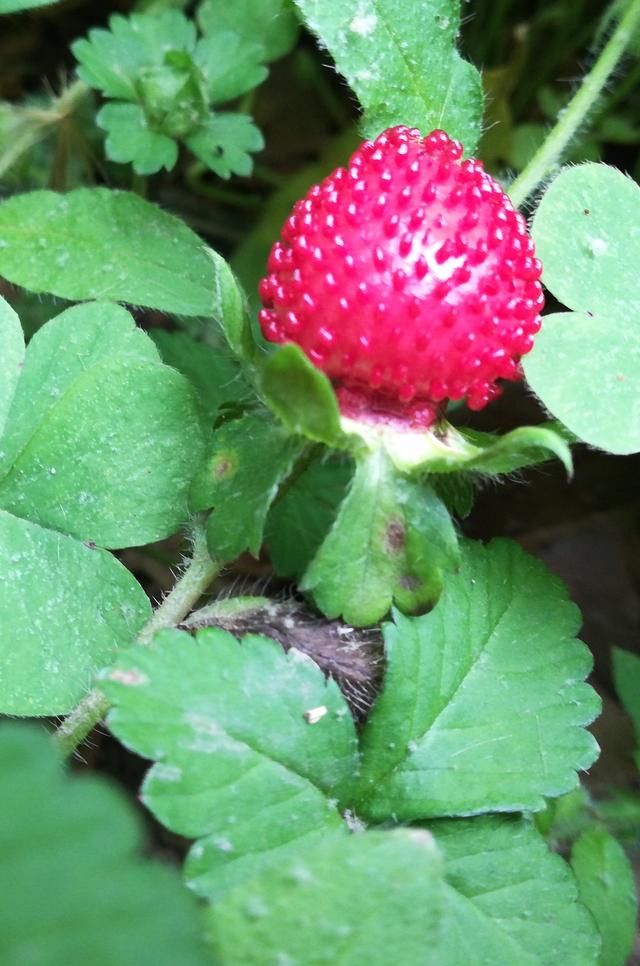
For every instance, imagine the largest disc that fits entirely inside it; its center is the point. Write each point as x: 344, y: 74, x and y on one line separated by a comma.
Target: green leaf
x: 607, y: 888
x: 364, y: 899
x: 225, y: 143
x: 585, y: 365
x: 483, y: 697
x: 300, y: 520
x: 11, y: 358
x: 508, y: 900
x: 16, y: 6
x: 100, y: 443
x: 525, y: 446
x: 237, y: 763
x: 402, y: 75
x: 249, y: 459
x: 94, y: 243
x: 212, y: 371
x: 230, y: 309
x: 67, y: 608
x: 231, y: 64
x: 271, y: 23
x: 392, y: 539
x: 626, y: 673
x: 73, y: 878
x: 302, y: 396
x: 131, y: 140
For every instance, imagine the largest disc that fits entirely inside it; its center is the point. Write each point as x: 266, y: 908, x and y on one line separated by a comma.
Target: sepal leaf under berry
x: 492, y: 678
x: 392, y: 539
x: 239, y: 762
x: 585, y: 366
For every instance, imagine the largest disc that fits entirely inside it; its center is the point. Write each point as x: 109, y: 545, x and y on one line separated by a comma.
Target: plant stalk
x: 549, y: 155
x: 199, y: 574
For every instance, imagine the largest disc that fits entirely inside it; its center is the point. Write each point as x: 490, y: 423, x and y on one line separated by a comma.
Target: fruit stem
x: 197, y: 576
x: 549, y: 155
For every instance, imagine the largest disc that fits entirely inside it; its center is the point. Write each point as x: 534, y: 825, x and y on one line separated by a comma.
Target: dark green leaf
x: 225, y: 143
x: 626, y: 672
x: 271, y: 23
x: 483, y: 697
x: 237, y: 762
x: 231, y: 63
x: 392, y: 539
x: 94, y: 243
x: 75, y: 886
x: 131, y: 140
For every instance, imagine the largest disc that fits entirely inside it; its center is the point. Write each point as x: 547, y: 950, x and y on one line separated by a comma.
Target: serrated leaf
x: 212, y: 371
x: 237, y: 764
x: 484, y: 696
x: 65, y: 608
x: 225, y: 143
x: 392, y: 539
x: 607, y: 888
x: 250, y: 457
x: 585, y: 365
x: 271, y: 23
x: 231, y: 64
x: 105, y: 447
x: 11, y: 358
x: 300, y: 520
x: 508, y: 900
x: 131, y: 140
x: 626, y: 673
x: 302, y: 397
x: 360, y: 900
x: 55, y: 834
x: 94, y: 243
x: 402, y: 75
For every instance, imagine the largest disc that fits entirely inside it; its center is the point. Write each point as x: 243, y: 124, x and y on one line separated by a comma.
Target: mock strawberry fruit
x: 408, y: 278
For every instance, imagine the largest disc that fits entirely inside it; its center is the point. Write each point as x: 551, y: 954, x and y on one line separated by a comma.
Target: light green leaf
x: 483, y: 697
x: 16, y: 6
x: 230, y: 309
x: 249, y: 459
x: 508, y: 900
x: 237, y: 763
x: 73, y: 879
x: 392, y: 539
x: 11, y: 358
x: 225, y: 143
x: 607, y: 888
x: 231, y: 64
x: 585, y: 365
x: 92, y: 243
x: 626, y: 672
x: 360, y: 900
x: 131, y: 140
x: 65, y: 609
x: 271, y: 23
x: 401, y: 74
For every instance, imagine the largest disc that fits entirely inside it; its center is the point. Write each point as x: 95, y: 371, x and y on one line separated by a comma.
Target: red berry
x: 408, y: 278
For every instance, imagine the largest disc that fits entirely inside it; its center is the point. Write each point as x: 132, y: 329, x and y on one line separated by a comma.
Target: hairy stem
x: 199, y: 573
x: 571, y: 119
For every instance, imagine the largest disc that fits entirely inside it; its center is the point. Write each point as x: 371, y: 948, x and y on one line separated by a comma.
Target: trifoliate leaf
x: 93, y: 243
x: 402, y: 75
x: 249, y: 458
x: 271, y: 23
x: 74, y: 882
x: 231, y: 64
x: 252, y: 748
x: 607, y: 888
x: 508, y: 899
x: 225, y: 143
x: 65, y: 609
x: 626, y: 672
x: 11, y: 358
x: 585, y: 365
x: 368, y: 899
x: 130, y: 139
x: 392, y: 539
x: 102, y: 440
x: 483, y: 697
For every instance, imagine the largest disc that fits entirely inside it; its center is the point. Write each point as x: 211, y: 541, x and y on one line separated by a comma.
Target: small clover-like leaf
x: 271, y: 23
x: 225, y: 143
x: 130, y: 139
x: 484, y: 696
x: 231, y: 65
x: 240, y: 764
x: 56, y: 833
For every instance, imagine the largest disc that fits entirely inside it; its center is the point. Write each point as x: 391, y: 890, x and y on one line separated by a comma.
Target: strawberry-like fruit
x: 408, y: 278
